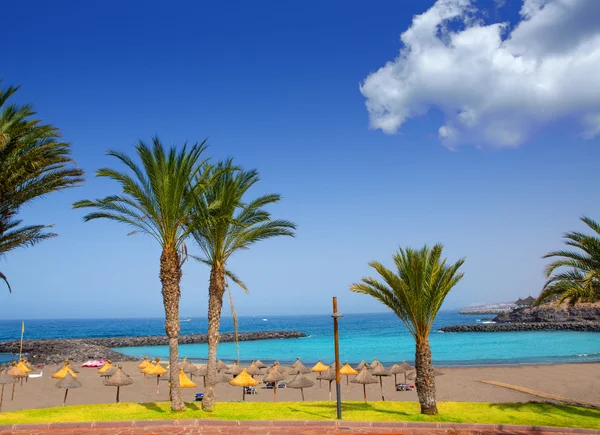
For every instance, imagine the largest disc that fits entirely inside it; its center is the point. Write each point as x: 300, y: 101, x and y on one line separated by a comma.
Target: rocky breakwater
x: 547, y: 317
x: 53, y: 351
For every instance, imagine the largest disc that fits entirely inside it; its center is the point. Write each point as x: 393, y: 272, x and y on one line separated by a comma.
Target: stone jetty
x: 53, y: 351
x: 525, y: 326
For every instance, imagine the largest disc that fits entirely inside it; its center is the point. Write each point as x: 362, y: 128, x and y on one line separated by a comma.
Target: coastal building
x: 525, y: 303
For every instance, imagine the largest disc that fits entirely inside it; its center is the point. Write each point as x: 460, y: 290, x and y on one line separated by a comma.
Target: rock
x: 530, y: 326
x: 552, y: 313
x: 54, y: 351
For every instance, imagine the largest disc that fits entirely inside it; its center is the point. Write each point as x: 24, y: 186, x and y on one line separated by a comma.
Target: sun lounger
x: 251, y: 390
x: 198, y: 397
x: 405, y: 387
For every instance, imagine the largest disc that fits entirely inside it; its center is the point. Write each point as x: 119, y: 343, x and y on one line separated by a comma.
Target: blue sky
x: 277, y: 85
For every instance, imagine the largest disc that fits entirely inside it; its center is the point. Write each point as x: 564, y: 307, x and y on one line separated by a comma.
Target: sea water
x: 362, y: 336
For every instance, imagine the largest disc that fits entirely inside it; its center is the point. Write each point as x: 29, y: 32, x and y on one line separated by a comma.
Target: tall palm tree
x: 157, y: 199
x: 415, y: 293
x: 576, y: 273
x: 234, y: 225
x: 33, y: 163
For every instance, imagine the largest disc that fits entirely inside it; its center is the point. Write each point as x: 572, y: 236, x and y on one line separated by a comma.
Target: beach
x: 576, y: 382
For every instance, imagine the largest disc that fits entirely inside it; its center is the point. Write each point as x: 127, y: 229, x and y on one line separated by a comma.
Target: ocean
x: 362, y: 336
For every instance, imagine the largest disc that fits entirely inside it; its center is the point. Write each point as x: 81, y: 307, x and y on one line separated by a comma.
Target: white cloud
x: 494, y: 83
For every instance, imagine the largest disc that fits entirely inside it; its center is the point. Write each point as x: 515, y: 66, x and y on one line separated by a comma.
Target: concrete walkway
x: 211, y: 427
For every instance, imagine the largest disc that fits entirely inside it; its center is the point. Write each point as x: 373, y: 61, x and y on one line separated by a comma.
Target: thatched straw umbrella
x: 18, y: 375
x: 364, y: 378
x: 398, y: 369
x: 201, y: 370
x: 27, y: 364
x: 5, y: 379
x: 144, y: 363
x: 253, y: 370
x: 243, y: 379
x: 380, y: 371
x: 67, y: 383
x: 221, y: 366
x: 118, y: 379
x: 24, y: 368
x: 235, y: 369
x: 328, y: 375
x: 107, y: 374
x: 106, y: 367
x: 436, y: 372
x: 274, y: 376
x: 301, y: 382
x: 295, y: 363
x: 21, y: 372
x: 62, y: 372
x: 260, y: 365
x: 347, y: 370
x: 184, y: 381
x: 189, y: 368
x: 299, y: 369
x: 374, y: 364
x: 360, y: 366
x: 319, y: 368
x: 146, y: 370
x: 157, y: 371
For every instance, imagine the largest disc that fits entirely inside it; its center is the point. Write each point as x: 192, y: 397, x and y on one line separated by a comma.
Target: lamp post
x: 336, y: 316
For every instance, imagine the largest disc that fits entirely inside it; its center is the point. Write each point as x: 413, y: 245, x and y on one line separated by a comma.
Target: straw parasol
x: 235, y: 369
x: 27, y: 364
x: 380, y: 371
x: 295, y: 363
x: 243, y: 379
x: 5, y: 379
x: 299, y: 369
x: 105, y: 367
x: 157, y: 371
x: 23, y: 366
x: 347, y: 370
x: 184, y: 381
x: 67, y: 383
x: 301, y: 382
x: 66, y: 368
x: 328, y: 375
x: 320, y: 368
x: 221, y: 366
x: 364, y: 378
x: 361, y: 365
x: 274, y: 376
x: 18, y: 375
x: 189, y: 368
x: 149, y: 367
x: 374, y: 364
x: 436, y: 372
x: 118, y: 379
x: 402, y: 368
x: 253, y: 370
x: 201, y: 370
x: 260, y: 365
x: 144, y: 363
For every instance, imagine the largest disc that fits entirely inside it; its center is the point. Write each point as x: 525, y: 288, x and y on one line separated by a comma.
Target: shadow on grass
x: 192, y: 406
x: 548, y: 408
x: 151, y: 406
x: 329, y: 409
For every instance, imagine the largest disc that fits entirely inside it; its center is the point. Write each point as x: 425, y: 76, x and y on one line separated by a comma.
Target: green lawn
x: 538, y: 414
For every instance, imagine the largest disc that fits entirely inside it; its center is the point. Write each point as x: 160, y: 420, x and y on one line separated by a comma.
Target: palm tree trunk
x: 216, y: 290
x: 425, y: 380
x: 170, y: 276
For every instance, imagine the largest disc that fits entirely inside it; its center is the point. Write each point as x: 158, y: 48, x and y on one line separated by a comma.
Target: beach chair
x: 198, y: 397
x: 251, y: 390
x: 282, y: 385
x: 269, y: 386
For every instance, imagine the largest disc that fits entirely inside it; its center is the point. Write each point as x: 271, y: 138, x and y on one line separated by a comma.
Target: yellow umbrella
x: 184, y: 381
x: 319, y: 368
x: 347, y: 370
x: 105, y: 367
x: 23, y: 366
x: 243, y: 380
x: 157, y: 371
x: 144, y: 363
x: 63, y: 371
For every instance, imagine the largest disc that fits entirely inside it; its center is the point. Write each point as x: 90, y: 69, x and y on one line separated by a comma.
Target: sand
x: 578, y: 382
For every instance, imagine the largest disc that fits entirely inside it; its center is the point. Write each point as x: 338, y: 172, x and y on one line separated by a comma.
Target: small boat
x: 264, y: 320
x: 186, y: 320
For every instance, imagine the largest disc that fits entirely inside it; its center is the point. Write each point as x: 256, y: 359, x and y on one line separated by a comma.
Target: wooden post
x: 336, y: 340
x: 157, y: 385
x: 118, y: 393
x: 12, y: 397
x: 301, y: 390
x: 244, y: 394
x: 1, y: 397
x: 381, y: 386
x: 275, y: 391
x: 65, y: 399
x: 365, y: 392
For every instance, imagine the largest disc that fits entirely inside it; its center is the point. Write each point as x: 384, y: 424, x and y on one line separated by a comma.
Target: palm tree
x: 157, y: 199
x: 33, y: 163
x: 415, y: 294
x: 234, y: 225
x: 579, y: 276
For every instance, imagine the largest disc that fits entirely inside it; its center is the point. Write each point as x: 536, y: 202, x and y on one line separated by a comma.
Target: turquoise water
x: 362, y: 336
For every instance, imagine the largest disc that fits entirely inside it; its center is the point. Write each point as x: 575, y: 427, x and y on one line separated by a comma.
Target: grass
x: 531, y: 414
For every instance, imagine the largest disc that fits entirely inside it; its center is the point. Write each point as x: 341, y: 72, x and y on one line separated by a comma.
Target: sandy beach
x: 577, y: 382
